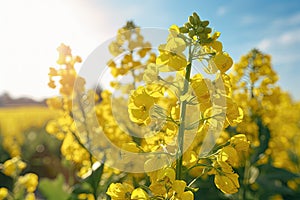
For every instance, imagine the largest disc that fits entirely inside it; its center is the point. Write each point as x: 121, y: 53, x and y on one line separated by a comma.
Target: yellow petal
x: 168, y: 173
x: 227, y: 185
x: 139, y: 194
x: 179, y: 186
x: 239, y: 142
x: 175, y: 45
x: 217, y: 45
x: 223, y: 62
x: 187, y: 196
x: 231, y: 154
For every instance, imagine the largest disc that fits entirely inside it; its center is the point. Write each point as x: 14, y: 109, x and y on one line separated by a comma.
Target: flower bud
x: 192, y: 20
x: 204, y: 23
x: 196, y: 18
x: 188, y: 25
x: 200, y: 29
x: 191, y: 33
x: 207, y: 30
x: 183, y: 30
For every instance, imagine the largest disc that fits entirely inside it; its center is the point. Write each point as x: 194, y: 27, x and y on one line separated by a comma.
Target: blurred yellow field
x: 15, y: 120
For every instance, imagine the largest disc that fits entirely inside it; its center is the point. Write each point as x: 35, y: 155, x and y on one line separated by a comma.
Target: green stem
x: 85, y: 125
x: 180, y: 138
x: 195, y: 179
x: 246, y: 179
x: 247, y: 166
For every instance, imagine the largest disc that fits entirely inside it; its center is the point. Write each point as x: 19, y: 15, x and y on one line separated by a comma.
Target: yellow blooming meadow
x: 12, y: 130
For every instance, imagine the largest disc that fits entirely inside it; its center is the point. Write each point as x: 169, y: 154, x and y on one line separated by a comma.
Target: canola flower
x: 23, y: 186
x: 13, y: 167
x: 143, y: 98
x: 266, y: 108
x: 63, y: 127
x: 29, y: 181
x: 159, y: 115
x: 171, y: 55
x: 139, y: 106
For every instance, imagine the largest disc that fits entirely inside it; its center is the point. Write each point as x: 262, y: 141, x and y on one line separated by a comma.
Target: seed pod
x: 183, y: 30
x: 204, y: 23
x: 192, y: 20
x: 207, y: 30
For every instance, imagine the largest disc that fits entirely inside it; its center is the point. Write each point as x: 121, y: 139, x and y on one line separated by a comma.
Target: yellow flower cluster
x: 67, y: 74
x: 171, y: 54
x: 159, y: 104
x: 131, y: 47
x: 128, y: 39
x: 163, y: 183
x: 28, y: 181
x: 24, y: 186
x: 163, y: 186
x: 270, y: 116
x: 111, y: 128
x: 225, y: 179
x: 125, y: 191
x: 63, y: 127
x: 283, y: 145
x: 253, y: 81
x: 13, y: 167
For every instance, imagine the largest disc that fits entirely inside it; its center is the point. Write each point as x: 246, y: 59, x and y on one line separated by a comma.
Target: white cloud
x: 264, y: 44
x: 292, y: 20
x: 248, y: 19
x: 284, y: 40
x: 222, y: 10
x: 290, y: 38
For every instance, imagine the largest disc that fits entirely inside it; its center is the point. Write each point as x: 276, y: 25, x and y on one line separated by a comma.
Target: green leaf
x: 95, y: 178
x: 53, y: 189
x: 90, y: 184
x: 82, y: 188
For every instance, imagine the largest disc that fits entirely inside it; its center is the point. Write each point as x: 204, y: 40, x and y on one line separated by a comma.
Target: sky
x: 31, y: 31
